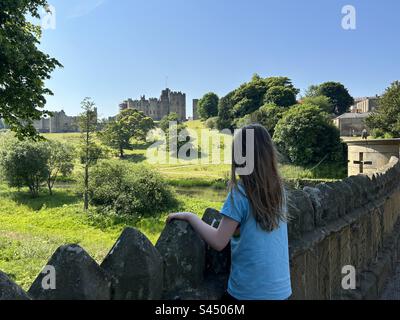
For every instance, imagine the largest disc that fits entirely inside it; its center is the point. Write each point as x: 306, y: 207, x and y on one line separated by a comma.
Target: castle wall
x: 367, y: 156
x: 158, y: 108
x: 353, y: 222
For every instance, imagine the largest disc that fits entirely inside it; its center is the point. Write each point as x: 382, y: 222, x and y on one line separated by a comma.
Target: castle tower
x: 178, y: 104
x: 195, y: 114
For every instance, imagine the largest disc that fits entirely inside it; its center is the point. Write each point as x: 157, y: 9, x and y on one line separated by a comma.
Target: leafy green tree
x: 60, y: 161
x: 23, y: 67
x: 208, y: 106
x: 385, y: 120
x: 281, y: 96
x: 268, y: 115
x: 90, y: 151
x: 281, y: 82
x: 250, y: 96
x: 324, y: 103
x: 225, y: 112
x: 306, y: 136
x: 24, y: 164
x: 165, y: 122
x: 336, y: 92
x: 129, y: 124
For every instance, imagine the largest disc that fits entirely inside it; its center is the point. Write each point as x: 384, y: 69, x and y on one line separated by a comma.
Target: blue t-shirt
x: 260, y: 259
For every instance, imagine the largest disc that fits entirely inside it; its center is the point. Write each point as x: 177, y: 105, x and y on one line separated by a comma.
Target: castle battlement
x: 157, y: 108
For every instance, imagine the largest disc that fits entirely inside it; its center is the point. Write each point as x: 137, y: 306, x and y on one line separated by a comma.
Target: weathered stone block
x: 216, y: 262
x: 298, y: 276
x: 323, y: 269
x: 77, y: 277
x: 301, y: 213
x: 330, y: 210
x: 335, y: 268
x: 311, y: 279
x: 183, y: 254
x: 368, y: 285
x: 9, y: 290
x: 316, y: 198
x: 136, y: 266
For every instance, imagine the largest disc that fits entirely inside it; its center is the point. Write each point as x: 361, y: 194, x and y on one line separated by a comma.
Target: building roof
x: 354, y: 115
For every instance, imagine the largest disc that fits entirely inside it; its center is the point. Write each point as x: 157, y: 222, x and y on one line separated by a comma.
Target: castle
x: 58, y: 122
x: 156, y: 109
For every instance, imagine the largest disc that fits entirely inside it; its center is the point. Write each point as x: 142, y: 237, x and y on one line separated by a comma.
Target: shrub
x: 24, y: 164
x: 307, y: 136
x: 211, y: 123
x: 129, y: 189
x: 32, y: 164
x: 385, y: 120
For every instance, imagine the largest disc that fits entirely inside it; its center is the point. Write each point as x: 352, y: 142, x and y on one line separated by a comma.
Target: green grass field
x: 32, y: 229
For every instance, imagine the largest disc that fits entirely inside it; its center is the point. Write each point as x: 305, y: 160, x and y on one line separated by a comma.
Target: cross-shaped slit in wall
x: 361, y: 162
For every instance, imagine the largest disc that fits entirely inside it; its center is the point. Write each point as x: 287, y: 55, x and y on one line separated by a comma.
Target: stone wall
x: 349, y: 222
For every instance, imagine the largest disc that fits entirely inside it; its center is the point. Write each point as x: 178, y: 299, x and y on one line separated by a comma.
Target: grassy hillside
x: 31, y: 229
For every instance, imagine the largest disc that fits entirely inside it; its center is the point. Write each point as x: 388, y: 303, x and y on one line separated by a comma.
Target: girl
x: 254, y: 221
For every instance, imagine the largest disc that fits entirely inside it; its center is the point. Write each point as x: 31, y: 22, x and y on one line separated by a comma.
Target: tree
x: 60, y: 159
x: 164, y: 123
x: 24, y: 164
x: 324, y: 103
x: 225, y: 112
x: 280, y: 96
x: 130, y: 123
x: 90, y: 151
x: 250, y: 96
x: 306, y: 136
x: 336, y: 92
x: 385, y: 120
x: 23, y: 67
x: 208, y: 106
x: 268, y: 116
x: 281, y: 82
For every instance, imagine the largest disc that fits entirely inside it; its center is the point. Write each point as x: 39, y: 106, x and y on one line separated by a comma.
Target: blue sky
x: 115, y: 49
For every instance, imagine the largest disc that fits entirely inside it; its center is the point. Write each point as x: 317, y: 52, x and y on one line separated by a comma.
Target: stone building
x: 195, y: 114
x: 351, y: 124
x: 59, y: 122
x: 365, y: 104
x: 168, y: 102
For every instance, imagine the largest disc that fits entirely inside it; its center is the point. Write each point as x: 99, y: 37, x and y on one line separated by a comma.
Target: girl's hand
x: 184, y: 216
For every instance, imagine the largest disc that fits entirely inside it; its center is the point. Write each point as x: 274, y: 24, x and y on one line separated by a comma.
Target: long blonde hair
x: 263, y: 186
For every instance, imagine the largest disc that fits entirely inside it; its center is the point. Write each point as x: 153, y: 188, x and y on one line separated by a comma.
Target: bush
x: 211, y: 123
x: 32, y: 164
x: 385, y: 120
x: 129, y: 189
x: 24, y: 164
x: 307, y: 136
x: 208, y: 106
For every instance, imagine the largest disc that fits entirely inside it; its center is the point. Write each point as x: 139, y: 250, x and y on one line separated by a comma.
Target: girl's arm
x: 216, y: 238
